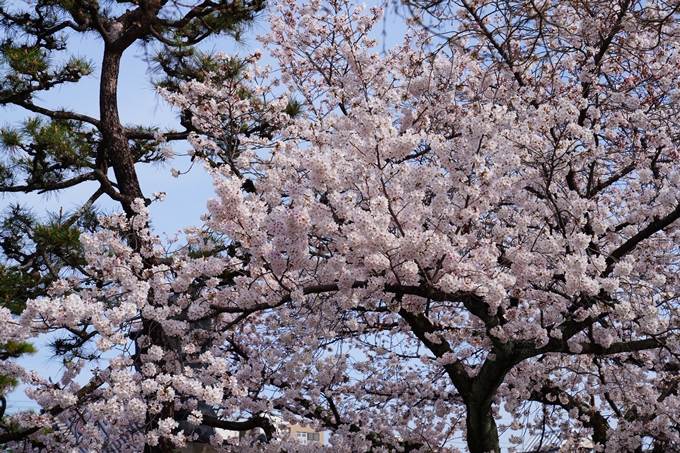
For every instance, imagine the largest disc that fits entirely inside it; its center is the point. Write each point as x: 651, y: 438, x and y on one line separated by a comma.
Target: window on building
x: 313, y: 437
x: 302, y: 438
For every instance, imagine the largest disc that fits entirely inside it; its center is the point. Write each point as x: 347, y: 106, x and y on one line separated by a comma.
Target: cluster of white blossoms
x: 445, y: 229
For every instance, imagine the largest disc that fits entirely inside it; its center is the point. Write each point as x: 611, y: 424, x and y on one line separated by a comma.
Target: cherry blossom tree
x: 475, y: 227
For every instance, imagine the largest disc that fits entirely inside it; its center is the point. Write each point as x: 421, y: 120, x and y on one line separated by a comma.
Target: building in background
x: 551, y: 441
x: 304, y: 435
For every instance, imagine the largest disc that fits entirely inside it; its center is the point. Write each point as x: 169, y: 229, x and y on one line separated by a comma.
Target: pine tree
x: 55, y: 149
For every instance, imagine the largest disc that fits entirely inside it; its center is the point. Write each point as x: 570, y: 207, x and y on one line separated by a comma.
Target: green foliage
x: 66, y: 144
x: 38, y: 252
x: 25, y: 60
x: 27, y: 68
x: 15, y: 349
x: 44, y: 155
x: 10, y: 139
x: 16, y: 287
x: 12, y: 349
x: 7, y: 382
x: 294, y: 108
x: 227, y: 18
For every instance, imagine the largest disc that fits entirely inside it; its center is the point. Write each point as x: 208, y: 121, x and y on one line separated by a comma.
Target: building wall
x: 297, y: 431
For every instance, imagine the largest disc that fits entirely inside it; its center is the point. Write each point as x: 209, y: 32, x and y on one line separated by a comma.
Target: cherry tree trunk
x: 482, y: 432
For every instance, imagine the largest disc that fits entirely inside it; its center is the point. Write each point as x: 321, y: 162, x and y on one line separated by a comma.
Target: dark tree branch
x: 47, y: 187
x: 657, y: 225
x: 57, y: 114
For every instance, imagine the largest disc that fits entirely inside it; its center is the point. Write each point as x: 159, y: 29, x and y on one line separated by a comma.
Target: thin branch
x: 56, y: 114
x: 657, y: 225
x: 42, y: 188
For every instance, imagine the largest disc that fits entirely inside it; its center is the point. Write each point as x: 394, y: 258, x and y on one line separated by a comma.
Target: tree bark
x: 482, y: 432
x: 114, y: 142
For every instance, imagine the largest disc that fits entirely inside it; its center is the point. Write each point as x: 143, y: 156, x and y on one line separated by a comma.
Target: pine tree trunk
x: 115, y: 144
x: 118, y: 154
